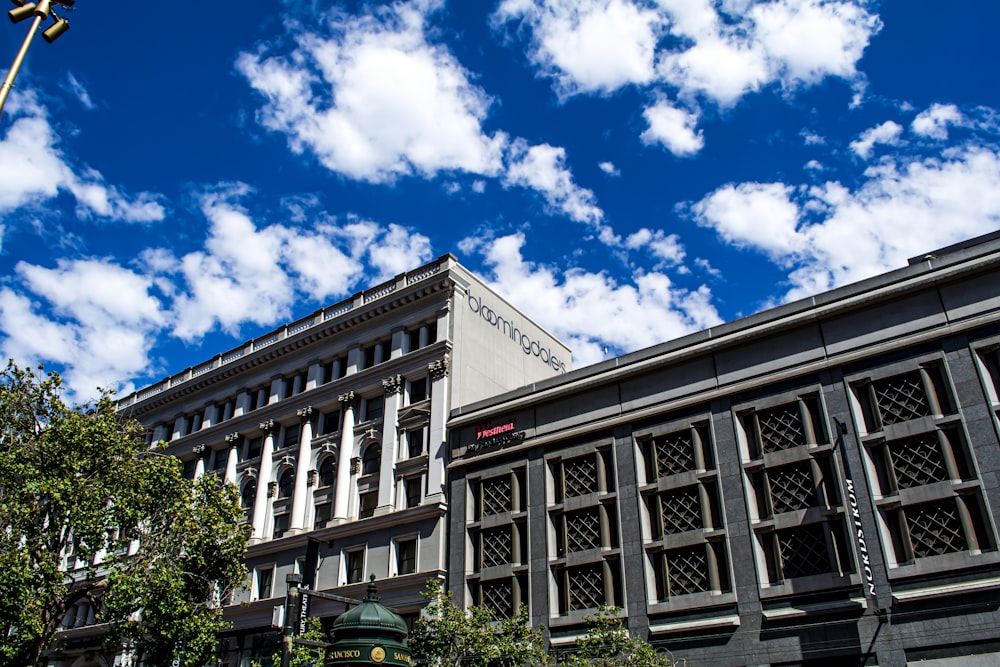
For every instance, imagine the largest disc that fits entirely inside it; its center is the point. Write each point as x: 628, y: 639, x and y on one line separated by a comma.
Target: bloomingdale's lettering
x: 528, y: 346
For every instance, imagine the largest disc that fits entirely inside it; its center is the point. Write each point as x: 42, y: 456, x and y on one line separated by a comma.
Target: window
x: 254, y: 446
x: 374, y: 408
x: 280, y: 525
x: 331, y: 422
x: 327, y: 471
x: 247, y: 498
x: 324, y: 513
x: 355, y: 566
x: 221, y: 459
x: 415, y: 442
x: 189, y: 468
x: 368, y: 503
x: 265, y: 581
x: 291, y: 436
x: 413, y: 486
x: 418, y: 390
x: 371, y: 459
x: 286, y: 483
x: 406, y: 556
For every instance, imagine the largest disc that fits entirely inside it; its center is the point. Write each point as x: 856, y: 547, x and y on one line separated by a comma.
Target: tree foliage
x: 447, y: 635
x: 78, y: 488
x: 609, y: 644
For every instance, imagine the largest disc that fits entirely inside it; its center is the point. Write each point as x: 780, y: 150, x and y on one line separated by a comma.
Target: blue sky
x: 179, y: 179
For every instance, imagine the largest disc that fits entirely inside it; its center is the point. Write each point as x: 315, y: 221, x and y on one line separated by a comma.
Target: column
x: 393, y: 387
x: 263, y: 478
x: 342, y: 492
x: 233, y: 440
x: 300, y: 495
x: 199, y: 467
x: 437, y: 444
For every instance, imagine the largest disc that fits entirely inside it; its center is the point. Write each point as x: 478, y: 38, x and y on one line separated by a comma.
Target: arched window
x: 371, y: 459
x: 285, y: 483
x: 327, y: 471
x: 247, y: 498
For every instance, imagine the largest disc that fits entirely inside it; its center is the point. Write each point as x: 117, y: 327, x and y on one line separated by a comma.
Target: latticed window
x: 794, y: 424
x: 498, y: 597
x: 678, y: 452
x: 792, y: 487
x: 679, y: 511
x: 695, y: 569
x: 904, y: 397
x: 583, y: 530
x: 810, y: 482
x: 497, y: 496
x: 583, y: 475
x: 804, y: 551
x: 496, y: 547
x: 949, y: 525
x: 583, y: 587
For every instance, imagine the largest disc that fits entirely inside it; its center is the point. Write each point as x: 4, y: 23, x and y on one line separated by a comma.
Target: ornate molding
x: 304, y: 413
x: 355, y: 465
x: 393, y: 385
x: 313, y: 477
x: 199, y: 451
x: 349, y: 399
x: 439, y: 368
x: 272, y: 489
x: 269, y: 426
x: 233, y: 438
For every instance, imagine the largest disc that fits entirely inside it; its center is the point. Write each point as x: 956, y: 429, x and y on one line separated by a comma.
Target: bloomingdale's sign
x: 506, y: 327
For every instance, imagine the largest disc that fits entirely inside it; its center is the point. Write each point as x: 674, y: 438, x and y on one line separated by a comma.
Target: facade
x: 334, y: 430
x: 813, y: 485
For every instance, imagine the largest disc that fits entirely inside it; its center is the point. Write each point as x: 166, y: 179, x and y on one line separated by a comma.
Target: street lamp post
x: 37, y: 13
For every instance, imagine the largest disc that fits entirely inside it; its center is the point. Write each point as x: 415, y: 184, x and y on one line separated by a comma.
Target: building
x: 334, y: 428
x: 816, y: 484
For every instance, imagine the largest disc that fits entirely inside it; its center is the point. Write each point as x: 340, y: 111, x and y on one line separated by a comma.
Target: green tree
x: 609, y: 644
x: 78, y: 487
x: 446, y: 635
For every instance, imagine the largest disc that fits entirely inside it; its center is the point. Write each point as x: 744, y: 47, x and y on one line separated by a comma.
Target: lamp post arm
x: 41, y: 13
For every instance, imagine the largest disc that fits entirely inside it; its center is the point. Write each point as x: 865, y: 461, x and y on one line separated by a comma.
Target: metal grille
x: 583, y: 530
x: 792, y: 488
x: 580, y: 476
x: 935, y: 528
x: 687, y: 570
x: 781, y: 428
x: 803, y: 551
x: 496, y: 546
x: 901, y: 398
x: 918, y: 461
x: 586, y: 587
x: 496, y: 496
x: 498, y: 597
x: 674, y: 453
x: 681, y: 511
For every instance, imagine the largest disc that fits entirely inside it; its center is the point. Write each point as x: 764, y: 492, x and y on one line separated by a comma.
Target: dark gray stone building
x: 816, y: 484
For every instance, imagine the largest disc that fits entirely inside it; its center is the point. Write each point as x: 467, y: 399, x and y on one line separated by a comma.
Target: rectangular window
x: 418, y: 390
x: 406, y: 556
x: 291, y: 436
x: 331, y: 422
x: 189, y: 467
x: 374, y: 408
x: 280, y: 525
x: 221, y: 458
x: 324, y: 512
x: 265, y: 581
x: 254, y: 446
x: 413, y: 487
x: 355, y: 566
x: 369, y: 501
x: 415, y: 442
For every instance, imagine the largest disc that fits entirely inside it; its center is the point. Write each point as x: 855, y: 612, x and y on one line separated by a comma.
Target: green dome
x: 370, y: 619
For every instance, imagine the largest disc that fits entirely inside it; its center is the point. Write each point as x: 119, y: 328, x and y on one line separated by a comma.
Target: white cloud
x: 543, y: 168
x: 934, y: 121
x: 674, y: 128
x: 830, y: 235
x: 666, y: 248
x: 374, y: 99
x: 592, y: 311
x: 887, y: 134
x: 610, y: 169
x: 79, y: 91
x: 588, y: 45
x: 760, y: 215
x: 38, y: 170
x: 95, y: 318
